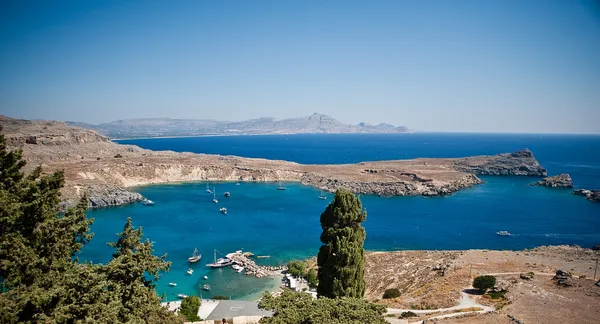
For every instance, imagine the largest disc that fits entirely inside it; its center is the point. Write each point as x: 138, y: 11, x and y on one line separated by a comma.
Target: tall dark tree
x: 342, y: 256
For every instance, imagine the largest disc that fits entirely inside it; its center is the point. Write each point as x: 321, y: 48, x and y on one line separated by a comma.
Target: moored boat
x: 280, y: 186
x: 322, y: 196
x: 223, y: 210
x: 503, y: 233
x: 147, y: 202
x: 182, y: 296
x: 172, y: 284
x: 190, y: 271
x: 206, y: 287
x: 215, y: 196
x: 205, y: 277
x: 220, y: 263
x: 195, y: 257
x: 207, y: 188
x: 227, y: 194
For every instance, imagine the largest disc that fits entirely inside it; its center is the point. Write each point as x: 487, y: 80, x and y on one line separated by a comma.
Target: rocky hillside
x: 155, y: 127
x: 103, y: 169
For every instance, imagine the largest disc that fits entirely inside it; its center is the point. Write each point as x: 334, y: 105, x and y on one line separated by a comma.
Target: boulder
x: 558, y: 181
x: 591, y: 195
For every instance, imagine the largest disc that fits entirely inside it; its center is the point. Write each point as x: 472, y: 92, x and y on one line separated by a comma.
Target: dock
x: 253, y: 269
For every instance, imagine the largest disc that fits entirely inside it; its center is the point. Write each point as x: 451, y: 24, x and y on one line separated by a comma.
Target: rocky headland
x: 591, y: 195
x: 105, y: 170
x: 558, y: 181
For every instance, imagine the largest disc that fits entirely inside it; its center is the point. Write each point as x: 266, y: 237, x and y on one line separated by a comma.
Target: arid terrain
x: 103, y: 169
x: 418, y: 275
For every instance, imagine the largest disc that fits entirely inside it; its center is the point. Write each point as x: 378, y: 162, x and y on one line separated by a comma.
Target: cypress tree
x: 342, y: 256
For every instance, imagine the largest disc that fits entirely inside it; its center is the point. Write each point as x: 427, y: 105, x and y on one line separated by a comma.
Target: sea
x: 284, y: 225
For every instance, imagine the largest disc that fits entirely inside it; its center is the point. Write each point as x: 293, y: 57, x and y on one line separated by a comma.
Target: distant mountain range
x: 158, y: 127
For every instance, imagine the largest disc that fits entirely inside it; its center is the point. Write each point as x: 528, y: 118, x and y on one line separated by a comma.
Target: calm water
x: 285, y: 224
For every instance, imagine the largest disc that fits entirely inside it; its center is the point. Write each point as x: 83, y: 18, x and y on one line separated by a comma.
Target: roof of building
x: 235, y: 308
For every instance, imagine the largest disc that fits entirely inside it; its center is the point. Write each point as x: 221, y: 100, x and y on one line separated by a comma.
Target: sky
x: 462, y: 66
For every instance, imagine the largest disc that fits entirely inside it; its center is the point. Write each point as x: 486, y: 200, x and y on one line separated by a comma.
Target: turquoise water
x: 285, y: 224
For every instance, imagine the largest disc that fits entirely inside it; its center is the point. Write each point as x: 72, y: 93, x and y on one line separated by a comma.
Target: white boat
x: 237, y: 183
x: 206, y: 287
x: 236, y: 267
x: 280, y: 186
x: 223, y: 210
x: 503, y: 233
x: 182, y: 296
x: 215, y: 196
x: 195, y: 257
x: 322, y: 196
x: 220, y: 263
x: 207, y: 188
x: 190, y: 271
x: 240, y: 269
x: 172, y: 284
x: 147, y: 202
x: 205, y: 277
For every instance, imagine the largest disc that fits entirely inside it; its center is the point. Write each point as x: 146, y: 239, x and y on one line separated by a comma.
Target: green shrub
x: 118, y: 156
x: 297, y: 268
x: 311, y: 278
x: 391, y: 293
x: 220, y: 297
x: 483, y: 283
x: 189, y: 308
x: 408, y: 314
x: 497, y: 294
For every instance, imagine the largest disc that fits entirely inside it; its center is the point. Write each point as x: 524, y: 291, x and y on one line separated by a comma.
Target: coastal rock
x: 558, y: 181
x: 591, y: 195
x: 521, y: 163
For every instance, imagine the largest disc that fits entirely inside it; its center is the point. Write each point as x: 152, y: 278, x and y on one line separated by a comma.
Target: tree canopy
x: 484, y: 283
x: 42, y: 280
x: 342, y: 256
x: 189, y: 308
x: 300, y: 308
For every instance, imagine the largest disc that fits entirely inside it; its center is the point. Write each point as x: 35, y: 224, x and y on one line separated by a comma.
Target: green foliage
x: 408, y: 314
x: 220, y: 297
x: 312, y: 278
x: 297, y: 268
x: 41, y: 280
x: 298, y: 307
x: 391, y: 293
x: 483, y: 283
x: 342, y: 256
x: 497, y: 294
x: 189, y: 308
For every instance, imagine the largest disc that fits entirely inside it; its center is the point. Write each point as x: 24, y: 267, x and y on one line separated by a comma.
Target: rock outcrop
x: 105, y: 170
x: 520, y: 163
x: 558, y: 181
x: 591, y: 195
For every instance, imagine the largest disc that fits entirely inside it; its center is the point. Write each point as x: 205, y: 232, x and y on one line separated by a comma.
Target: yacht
x: 503, y: 233
x: 190, y: 271
x: 207, y: 188
x: 147, y: 202
x: 172, y: 284
x: 195, y: 257
x: 215, y: 196
x: 220, y: 263
x: 223, y: 210
x: 237, y: 183
x: 205, y: 277
x: 322, y: 196
x: 206, y: 287
x: 280, y: 186
x: 182, y: 296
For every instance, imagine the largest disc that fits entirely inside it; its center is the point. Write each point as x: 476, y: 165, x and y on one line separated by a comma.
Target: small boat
x: 147, y: 202
x: 236, y: 267
x: 281, y: 187
x: 263, y: 256
x: 240, y: 269
x: 206, y: 287
x: 195, y: 257
x: 223, y: 210
x: 227, y: 194
x: 190, y: 271
x: 207, y: 188
x: 237, y: 183
x: 215, y: 196
x: 205, y: 277
x: 503, y: 233
x: 182, y: 296
x: 322, y: 196
x: 172, y: 284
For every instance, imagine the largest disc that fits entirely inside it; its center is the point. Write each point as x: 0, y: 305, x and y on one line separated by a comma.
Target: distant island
x: 167, y: 127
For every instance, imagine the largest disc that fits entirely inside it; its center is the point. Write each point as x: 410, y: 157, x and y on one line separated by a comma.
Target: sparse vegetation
x: 220, y: 297
x: 118, y: 156
x: 408, y: 314
x: 483, y: 283
x: 497, y: 294
x: 391, y: 293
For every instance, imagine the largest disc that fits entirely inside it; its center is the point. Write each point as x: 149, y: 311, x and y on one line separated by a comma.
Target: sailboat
x: 220, y: 263
x: 322, y: 196
x: 195, y: 257
x: 207, y: 188
x: 280, y: 186
x: 215, y: 196
x: 223, y: 210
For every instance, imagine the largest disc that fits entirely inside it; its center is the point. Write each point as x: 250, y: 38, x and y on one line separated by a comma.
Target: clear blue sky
x: 480, y: 65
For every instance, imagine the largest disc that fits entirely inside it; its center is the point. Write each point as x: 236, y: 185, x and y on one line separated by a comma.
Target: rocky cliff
x: 591, y: 195
x: 558, y: 181
x: 104, y: 170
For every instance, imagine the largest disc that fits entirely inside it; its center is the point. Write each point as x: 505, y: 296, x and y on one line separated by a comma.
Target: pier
x: 253, y: 269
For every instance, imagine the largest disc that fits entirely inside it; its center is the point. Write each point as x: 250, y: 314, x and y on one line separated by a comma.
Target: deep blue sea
x: 285, y: 224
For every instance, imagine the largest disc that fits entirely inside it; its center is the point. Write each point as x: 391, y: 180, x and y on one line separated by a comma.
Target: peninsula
x: 95, y: 165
